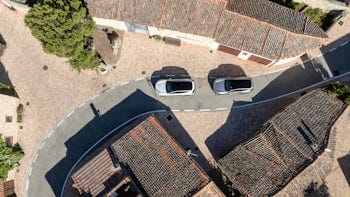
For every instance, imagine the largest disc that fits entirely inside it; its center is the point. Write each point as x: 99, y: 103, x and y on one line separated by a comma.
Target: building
x: 144, y: 161
x: 286, y: 144
x: 255, y: 30
x: 7, y: 188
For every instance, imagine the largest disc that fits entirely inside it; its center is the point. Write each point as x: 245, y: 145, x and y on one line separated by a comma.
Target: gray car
x: 235, y: 85
x: 173, y: 87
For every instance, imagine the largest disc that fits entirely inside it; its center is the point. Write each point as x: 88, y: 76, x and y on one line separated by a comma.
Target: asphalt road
x: 97, y: 117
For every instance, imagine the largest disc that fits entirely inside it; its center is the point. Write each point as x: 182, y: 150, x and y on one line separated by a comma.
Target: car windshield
x: 237, y: 84
x: 172, y: 86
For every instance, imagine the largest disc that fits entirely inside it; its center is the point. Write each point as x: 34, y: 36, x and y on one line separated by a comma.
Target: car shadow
x: 167, y: 72
x: 225, y: 70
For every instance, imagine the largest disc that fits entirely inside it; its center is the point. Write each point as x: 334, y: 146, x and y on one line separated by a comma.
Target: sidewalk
x: 139, y: 55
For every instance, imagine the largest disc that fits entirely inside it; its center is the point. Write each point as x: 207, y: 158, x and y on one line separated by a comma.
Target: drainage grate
x: 169, y: 118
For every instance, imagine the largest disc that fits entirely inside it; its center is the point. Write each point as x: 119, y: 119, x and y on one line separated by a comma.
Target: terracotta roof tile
x: 160, y: 165
x: 285, y: 145
x: 257, y: 26
x: 94, y: 176
x: 195, y: 16
x: 140, y: 12
x: 277, y: 15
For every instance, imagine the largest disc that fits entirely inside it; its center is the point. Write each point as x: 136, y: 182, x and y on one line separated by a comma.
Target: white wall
x: 110, y: 23
x: 284, y: 61
x: 189, y: 38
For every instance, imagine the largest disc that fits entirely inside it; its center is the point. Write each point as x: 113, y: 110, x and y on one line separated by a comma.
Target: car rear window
x: 172, y: 86
x: 236, y: 84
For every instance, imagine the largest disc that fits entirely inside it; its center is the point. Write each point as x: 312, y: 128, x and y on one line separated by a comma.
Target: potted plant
x: 102, y: 69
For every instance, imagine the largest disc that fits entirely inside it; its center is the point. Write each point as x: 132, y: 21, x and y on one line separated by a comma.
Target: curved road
x: 96, y: 118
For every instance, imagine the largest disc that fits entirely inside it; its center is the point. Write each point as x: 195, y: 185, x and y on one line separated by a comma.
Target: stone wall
x: 325, y: 4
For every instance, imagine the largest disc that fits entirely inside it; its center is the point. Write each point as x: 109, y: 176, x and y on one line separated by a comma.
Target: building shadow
x: 173, y: 72
x: 336, y: 55
x: 242, y: 124
x: 344, y: 163
x: 224, y: 71
x: 2, y: 40
x: 293, y: 79
x: 135, y: 104
x: 4, y: 79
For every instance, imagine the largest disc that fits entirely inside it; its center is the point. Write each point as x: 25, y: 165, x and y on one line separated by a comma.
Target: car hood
x: 161, y: 86
x: 219, y: 86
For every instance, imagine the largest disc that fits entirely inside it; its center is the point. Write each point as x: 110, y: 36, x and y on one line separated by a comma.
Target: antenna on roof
x: 189, y: 153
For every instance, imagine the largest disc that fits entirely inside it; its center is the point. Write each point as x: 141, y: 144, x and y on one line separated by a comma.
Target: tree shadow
x: 135, y: 104
x: 344, y: 163
x: 225, y: 70
x: 167, y: 72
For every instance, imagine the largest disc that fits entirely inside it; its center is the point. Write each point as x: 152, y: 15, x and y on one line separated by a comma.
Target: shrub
x: 158, y: 37
x: 9, y: 158
x: 20, y: 110
x: 340, y: 91
x: 87, y: 59
x: 4, y: 86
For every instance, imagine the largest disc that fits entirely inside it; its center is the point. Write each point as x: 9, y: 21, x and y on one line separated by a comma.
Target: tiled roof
x: 96, y: 176
x: 160, y: 165
x: 258, y: 26
x: 192, y: 16
x: 141, y: 12
x: 287, y: 143
x: 277, y: 15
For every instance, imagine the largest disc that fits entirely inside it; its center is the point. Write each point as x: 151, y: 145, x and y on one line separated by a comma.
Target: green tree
x: 64, y: 29
x: 340, y: 91
x: 316, y: 190
x: 9, y: 158
x: 85, y: 60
